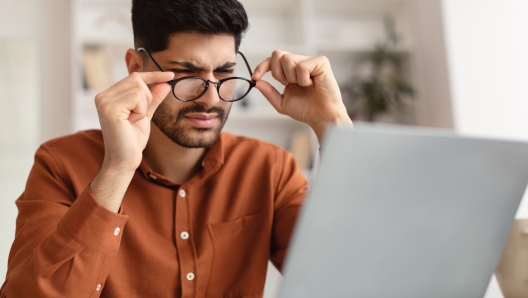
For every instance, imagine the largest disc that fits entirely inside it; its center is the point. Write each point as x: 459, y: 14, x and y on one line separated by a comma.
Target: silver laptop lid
x: 405, y: 213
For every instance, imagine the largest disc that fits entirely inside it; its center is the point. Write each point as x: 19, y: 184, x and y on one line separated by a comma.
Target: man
x: 159, y: 203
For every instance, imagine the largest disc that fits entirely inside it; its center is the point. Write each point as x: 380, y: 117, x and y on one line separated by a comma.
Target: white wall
x: 19, y: 109
x: 35, y: 94
x: 487, y: 42
x: 483, y: 47
x: 487, y: 46
x: 429, y: 61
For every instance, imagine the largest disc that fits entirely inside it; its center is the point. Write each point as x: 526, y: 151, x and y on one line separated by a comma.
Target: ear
x: 134, y: 61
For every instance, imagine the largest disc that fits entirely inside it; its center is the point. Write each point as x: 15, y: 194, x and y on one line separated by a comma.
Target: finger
x: 156, y: 76
x: 276, y: 67
x: 311, y: 68
x: 128, y: 105
x: 262, y: 69
x: 289, y: 68
x: 137, y: 79
x: 137, y: 104
x: 271, y: 94
x: 304, y: 77
x: 159, y: 93
x: 143, y: 80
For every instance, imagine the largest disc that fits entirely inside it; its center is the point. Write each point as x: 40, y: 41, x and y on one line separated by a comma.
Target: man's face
x: 198, y: 123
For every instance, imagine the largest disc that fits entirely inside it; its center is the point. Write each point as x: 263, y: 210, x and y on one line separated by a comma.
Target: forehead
x: 203, y: 50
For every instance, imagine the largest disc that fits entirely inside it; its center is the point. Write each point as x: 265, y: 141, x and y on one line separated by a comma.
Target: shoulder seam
x: 60, y: 166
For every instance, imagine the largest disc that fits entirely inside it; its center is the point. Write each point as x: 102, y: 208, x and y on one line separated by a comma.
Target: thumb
x: 271, y: 94
x: 159, y: 93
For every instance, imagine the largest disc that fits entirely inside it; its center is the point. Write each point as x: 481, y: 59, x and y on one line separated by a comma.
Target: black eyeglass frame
x: 173, y: 83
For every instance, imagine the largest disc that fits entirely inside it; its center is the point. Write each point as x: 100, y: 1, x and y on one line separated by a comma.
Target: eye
x: 225, y: 71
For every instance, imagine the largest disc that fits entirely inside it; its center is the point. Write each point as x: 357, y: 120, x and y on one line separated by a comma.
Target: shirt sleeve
x: 292, y: 188
x: 64, y: 244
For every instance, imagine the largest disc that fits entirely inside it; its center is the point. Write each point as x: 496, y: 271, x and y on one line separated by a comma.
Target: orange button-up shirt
x: 209, y: 237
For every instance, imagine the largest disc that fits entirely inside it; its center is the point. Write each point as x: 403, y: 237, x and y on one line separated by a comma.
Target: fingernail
x: 285, y: 83
x: 256, y: 74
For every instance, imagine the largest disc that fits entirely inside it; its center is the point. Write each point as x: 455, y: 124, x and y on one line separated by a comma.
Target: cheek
x: 226, y: 106
x: 169, y: 107
x: 170, y: 96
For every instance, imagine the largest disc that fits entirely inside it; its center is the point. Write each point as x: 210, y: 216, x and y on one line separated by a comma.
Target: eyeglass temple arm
x: 150, y: 57
x: 157, y: 65
x: 247, y: 64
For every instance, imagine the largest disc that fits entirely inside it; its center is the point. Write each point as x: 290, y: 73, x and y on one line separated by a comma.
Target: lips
x: 202, y: 120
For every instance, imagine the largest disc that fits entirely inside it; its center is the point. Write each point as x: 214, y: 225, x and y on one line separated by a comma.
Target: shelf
x: 104, y: 25
x: 105, y: 3
x: 359, y: 7
x: 342, y: 47
x: 270, y: 6
x: 121, y: 42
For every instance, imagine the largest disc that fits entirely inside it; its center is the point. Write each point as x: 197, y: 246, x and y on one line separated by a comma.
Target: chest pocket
x: 241, y: 254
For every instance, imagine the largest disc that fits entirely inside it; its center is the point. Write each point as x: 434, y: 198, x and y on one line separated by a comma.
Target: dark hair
x: 154, y: 21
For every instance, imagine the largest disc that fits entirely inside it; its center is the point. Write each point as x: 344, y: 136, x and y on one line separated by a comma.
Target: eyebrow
x: 191, y: 66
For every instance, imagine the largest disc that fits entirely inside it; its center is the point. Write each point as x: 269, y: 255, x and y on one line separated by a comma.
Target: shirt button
x: 98, y: 287
x: 184, y: 235
x: 182, y: 193
x: 153, y: 177
x: 116, y: 231
x: 190, y: 276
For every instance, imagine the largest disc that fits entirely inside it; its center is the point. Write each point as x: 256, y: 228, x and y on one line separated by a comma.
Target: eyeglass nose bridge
x: 205, y: 86
x: 206, y: 83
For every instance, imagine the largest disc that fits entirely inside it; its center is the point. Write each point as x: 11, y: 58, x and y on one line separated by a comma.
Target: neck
x: 176, y: 163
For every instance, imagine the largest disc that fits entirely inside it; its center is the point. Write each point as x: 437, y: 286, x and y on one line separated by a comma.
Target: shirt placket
x: 184, y: 243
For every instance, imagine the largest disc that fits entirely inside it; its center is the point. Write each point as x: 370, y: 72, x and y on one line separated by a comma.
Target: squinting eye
x: 185, y: 71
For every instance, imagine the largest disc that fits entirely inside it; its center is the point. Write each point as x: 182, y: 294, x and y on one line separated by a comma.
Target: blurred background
x: 450, y: 64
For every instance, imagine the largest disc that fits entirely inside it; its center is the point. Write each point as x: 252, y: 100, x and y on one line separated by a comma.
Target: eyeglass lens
x: 229, y: 90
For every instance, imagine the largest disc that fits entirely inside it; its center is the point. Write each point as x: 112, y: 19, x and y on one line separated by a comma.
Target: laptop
x: 400, y: 212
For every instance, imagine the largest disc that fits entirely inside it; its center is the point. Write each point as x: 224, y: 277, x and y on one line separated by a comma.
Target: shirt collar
x: 213, y: 160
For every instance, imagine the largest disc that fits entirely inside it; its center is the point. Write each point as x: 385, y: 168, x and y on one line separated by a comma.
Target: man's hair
x: 155, y: 21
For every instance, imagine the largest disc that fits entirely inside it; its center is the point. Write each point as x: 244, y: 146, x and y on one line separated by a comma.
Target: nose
x: 210, y: 98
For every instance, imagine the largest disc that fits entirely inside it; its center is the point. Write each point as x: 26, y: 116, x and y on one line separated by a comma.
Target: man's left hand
x: 311, y: 93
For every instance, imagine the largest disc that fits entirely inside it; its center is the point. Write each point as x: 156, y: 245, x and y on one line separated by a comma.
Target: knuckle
x: 136, y: 78
x: 324, y: 59
x: 134, y: 75
x: 99, y: 98
x: 277, y: 75
x: 302, y: 67
x: 276, y: 53
x: 137, y: 96
x: 105, y: 110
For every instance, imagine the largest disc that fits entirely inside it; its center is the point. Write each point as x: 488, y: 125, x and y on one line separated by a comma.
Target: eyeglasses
x: 192, y: 87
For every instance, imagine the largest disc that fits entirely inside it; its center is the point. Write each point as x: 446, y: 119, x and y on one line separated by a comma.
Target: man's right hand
x: 125, y: 111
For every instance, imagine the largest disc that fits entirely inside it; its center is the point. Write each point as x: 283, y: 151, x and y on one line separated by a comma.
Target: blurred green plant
x: 386, y: 86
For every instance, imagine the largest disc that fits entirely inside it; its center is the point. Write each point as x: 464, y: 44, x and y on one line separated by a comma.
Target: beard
x: 188, y: 136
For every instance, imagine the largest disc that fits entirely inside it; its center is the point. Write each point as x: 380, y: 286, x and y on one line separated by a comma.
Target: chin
x: 202, y: 137
x: 194, y: 137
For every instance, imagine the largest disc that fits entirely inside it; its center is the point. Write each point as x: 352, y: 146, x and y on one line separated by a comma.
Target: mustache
x: 200, y: 109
